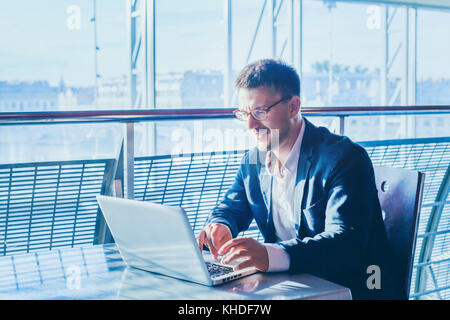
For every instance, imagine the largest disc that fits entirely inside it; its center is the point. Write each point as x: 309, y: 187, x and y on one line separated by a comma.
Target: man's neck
x: 283, y: 150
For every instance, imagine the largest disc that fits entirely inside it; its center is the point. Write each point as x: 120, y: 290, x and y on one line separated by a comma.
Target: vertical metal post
x: 342, y: 125
x: 405, y: 76
x: 413, y: 61
x: 128, y: 163
x: 300, y: 43
x: 291, y: 11
x: 135, y: 45
x: 141, y: 28
x: 404, y: 92
x: 150, y: 70
x: 134, y: 48
x: 141, y: 20
x: 228, y: 86
x: 330, y: 68
x: 96, y: 48
x: 273, y: 27
x: 384, y: 72
x: 412, y: 68
x: 150, y: 65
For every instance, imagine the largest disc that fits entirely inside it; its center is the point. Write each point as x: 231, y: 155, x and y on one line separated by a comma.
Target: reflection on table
x: 98, y: 272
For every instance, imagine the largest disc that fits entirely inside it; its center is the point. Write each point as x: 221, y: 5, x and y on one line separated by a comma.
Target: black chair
x: 400, y: 193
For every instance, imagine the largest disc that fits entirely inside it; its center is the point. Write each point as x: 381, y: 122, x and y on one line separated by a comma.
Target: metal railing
x: 100, y: 116
x: 429, y: 154
x: 129, y: 117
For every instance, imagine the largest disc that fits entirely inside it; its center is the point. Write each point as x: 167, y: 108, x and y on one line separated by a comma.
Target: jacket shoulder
x: 336, y: 148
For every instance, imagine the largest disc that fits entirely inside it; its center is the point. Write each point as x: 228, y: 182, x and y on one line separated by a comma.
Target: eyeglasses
x: 257, y: 114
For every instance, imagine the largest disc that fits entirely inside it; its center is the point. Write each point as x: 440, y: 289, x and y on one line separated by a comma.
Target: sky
x: 39, y: 40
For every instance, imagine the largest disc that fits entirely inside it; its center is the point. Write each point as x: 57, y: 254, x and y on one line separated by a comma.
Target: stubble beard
x: 269, y: 141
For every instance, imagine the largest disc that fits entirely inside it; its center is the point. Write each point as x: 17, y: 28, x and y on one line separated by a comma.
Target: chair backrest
x: 45, y: 205
x: 400, y: 194
x: 197, y: 182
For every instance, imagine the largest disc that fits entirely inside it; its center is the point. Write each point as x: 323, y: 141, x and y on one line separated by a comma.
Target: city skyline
x: 349, y: 86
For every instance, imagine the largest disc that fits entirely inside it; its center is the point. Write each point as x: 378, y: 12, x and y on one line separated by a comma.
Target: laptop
x: 160, y: 239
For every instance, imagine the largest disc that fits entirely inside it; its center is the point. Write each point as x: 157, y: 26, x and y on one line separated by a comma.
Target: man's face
x: 275, y: 128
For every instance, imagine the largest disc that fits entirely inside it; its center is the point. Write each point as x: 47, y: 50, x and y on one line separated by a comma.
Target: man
x: 311, y: 192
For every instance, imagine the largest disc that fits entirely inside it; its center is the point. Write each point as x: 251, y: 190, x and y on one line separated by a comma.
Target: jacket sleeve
x: 234, y: 210
x: 348, y: 214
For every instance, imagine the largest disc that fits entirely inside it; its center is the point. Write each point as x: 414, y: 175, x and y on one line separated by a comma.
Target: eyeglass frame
x: 266, y: 110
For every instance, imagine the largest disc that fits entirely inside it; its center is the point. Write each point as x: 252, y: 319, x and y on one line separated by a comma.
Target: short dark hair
x: 271, y: 73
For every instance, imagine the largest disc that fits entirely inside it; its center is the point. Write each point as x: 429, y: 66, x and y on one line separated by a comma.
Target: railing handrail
x: 95, y: 116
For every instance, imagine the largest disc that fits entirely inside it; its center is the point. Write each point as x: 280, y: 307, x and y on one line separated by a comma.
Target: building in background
x: 41, y: 96
x: 168, y: 90
x: 24, y: 96
x: 113, y: 93
x: 345, y: 86
x: 202, y: 89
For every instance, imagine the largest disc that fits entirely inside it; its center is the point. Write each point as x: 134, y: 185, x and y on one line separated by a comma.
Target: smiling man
x: 312, y: 193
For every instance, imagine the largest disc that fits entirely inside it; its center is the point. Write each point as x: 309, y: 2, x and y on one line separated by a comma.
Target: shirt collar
x: 292, y: 159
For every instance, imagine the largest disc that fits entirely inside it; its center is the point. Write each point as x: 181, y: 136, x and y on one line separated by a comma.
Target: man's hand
x: 254, y: 252
x: 214, y: 236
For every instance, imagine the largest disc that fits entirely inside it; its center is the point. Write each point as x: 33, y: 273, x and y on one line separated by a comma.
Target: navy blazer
x: 341, y: 230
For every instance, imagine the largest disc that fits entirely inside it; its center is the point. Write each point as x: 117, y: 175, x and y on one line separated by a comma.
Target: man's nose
x: 252, y: 123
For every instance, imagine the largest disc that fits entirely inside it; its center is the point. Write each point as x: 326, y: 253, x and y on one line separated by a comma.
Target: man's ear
x: 294, y: 106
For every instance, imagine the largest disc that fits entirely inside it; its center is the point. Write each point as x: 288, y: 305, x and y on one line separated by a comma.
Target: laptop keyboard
x: 216, y: 270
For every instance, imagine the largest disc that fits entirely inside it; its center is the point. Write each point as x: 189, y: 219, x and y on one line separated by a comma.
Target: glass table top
x: 98, y: 272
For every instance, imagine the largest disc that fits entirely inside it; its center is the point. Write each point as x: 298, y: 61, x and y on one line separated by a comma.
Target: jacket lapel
x: 303, y: 167
x: 266, y: 188
x: 265, y: 181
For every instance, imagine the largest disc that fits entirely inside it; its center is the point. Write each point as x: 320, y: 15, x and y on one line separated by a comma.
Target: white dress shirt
x: 285, y: 219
